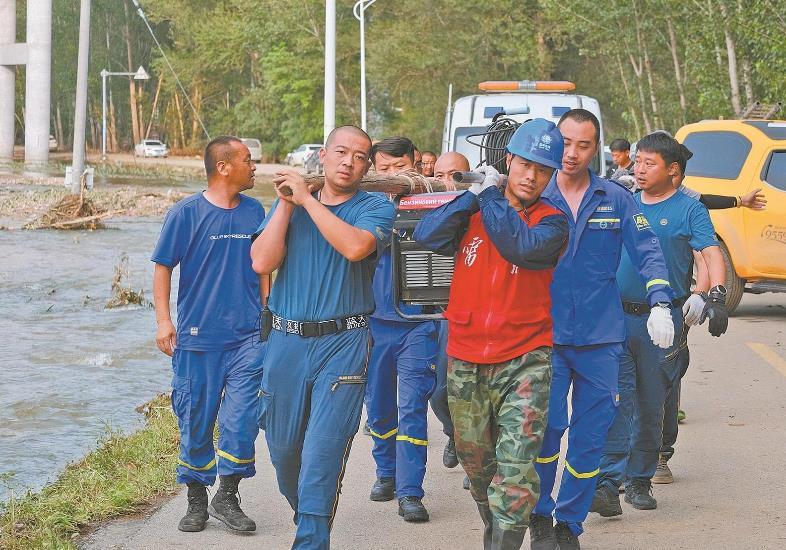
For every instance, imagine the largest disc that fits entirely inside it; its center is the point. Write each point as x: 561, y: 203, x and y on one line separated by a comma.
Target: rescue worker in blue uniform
x: 403, y: 357
x: 214, y: 349
x: 324, y: 246
x: 589, y: 325
x: 647, y: 373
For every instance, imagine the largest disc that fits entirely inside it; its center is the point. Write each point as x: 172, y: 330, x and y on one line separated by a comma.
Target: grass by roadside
x: 123, y: 474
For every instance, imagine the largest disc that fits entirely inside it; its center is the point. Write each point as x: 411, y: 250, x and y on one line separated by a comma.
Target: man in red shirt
x: 506, y: 243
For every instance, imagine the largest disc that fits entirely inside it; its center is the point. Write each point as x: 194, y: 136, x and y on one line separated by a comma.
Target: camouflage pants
x: 499, y: 412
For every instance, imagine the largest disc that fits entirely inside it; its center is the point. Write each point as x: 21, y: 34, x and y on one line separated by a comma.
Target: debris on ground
x: 122, y: 293
x: 73, y: 212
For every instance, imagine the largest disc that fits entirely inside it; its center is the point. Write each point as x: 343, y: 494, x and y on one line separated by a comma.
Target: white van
x: 532, y: 99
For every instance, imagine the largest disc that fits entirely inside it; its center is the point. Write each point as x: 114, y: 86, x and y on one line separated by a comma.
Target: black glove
x: 715, y: 311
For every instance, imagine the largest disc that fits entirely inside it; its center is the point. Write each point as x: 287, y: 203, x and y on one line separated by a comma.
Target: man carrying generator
x: 647, y: 372
x: 324, y: 246
x: 216, y: 357
x: 499, y: 340
x: 589, y: 327
x: 401, y: 375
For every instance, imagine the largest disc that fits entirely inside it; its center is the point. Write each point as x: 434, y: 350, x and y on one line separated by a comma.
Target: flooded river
x: 70, y: 368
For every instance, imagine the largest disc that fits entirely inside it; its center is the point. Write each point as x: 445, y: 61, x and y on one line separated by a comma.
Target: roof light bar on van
x: 528, y: 85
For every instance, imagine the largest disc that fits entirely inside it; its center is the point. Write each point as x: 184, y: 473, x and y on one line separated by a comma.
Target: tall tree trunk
x: 653, y: 100
x: 678, y: 77
x: 747, y: 82
x: 194, y: 120
x: 59, y: 128
x: 153, y: 112
x: 180, y: 121
x: 731, y: 54
x: 638, y: 70
x: 134, y: 105
x: 112, y: 145
x: 631, y: 103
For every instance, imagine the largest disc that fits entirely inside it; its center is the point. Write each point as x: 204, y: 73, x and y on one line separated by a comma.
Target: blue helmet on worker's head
x: 538, y: 140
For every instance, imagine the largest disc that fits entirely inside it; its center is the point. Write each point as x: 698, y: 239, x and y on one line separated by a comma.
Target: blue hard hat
x: 538, y: 140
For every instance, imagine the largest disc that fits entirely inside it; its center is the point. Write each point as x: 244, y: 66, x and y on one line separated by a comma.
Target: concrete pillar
x: 38, y: 81
x: 7, y: 81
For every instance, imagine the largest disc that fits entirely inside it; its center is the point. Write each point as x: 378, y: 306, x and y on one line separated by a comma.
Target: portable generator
x: 420, y: 277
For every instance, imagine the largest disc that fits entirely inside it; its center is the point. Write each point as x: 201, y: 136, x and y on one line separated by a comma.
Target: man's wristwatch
x: 718, y: 294
x: 703, y: 294
x: 665, y: 305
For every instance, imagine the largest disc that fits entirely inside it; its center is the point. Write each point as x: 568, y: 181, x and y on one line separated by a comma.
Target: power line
x: 166, y: 59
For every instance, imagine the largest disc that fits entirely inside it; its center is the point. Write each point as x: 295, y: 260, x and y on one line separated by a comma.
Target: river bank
x: 121, y: 477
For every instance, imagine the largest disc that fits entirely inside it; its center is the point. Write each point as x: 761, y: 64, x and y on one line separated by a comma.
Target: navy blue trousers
x: 439, y: 399
x: 593, y: 373
x: 401, y: 379
x: 647, y: 374
x: 310, y: 402
x: 216, y: 384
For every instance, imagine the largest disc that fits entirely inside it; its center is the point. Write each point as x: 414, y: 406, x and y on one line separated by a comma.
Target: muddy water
x: 69, y: 368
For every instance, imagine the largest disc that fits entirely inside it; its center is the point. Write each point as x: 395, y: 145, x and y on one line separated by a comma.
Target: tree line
x: 255, y: 67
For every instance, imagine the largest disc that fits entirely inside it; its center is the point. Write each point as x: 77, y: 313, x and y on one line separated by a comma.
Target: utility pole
x: 80, y: 105
x: 359, y: 10
x: 330, y: 69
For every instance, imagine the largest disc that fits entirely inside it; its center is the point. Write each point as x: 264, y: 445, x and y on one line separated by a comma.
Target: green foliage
x: 255, y: 67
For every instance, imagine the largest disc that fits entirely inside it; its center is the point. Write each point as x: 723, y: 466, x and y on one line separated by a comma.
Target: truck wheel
x: 734, y: 285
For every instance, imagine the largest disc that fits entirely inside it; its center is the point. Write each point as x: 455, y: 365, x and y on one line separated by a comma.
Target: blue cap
x: 538, y: 140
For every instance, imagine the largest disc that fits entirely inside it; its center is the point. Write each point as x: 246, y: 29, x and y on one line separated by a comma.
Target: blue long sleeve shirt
x: 586, y: 304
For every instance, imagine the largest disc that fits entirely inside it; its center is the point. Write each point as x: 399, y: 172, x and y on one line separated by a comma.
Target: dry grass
x: 122, y: 293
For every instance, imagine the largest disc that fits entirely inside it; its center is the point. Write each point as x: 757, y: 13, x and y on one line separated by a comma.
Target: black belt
x: 642, y: 309
x: 311, y: 329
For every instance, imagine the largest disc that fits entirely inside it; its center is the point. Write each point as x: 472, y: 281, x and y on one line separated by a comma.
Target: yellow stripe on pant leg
x: 580, y: 475
x: 412, y: 440
x: 546, y: 459
x: 234, y: 458
x: 392, y: 432
x: 197, y: 468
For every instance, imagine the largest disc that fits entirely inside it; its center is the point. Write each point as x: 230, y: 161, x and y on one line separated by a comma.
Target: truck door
x: 766, y: 229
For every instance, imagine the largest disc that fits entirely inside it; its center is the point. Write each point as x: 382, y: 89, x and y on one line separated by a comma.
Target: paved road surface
x: 730, y: 470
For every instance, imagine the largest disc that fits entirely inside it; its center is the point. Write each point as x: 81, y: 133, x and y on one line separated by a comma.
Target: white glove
x: 692, y: 309
x: 492, y: 179
x: 660, y: 327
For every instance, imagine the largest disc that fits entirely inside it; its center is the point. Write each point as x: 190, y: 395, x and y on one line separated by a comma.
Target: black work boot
x: 638, y: 493
x: 541, y: 533
x: 606, y: 501
x: 225, y: 505
x: 565, y: 537
x: 196, y: 516
x: 449, y: 457
x: 412, y: 509
x: 485, y: 515
x: 384, y: 489
x: 507, y: 539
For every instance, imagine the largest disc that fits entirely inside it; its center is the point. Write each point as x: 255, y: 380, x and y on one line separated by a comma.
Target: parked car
x: 734, y: 157
x: 150, y: 148
x: 255, y: 147
x: 298, y: 156
x: 313, y: 163
x: 52, y: 143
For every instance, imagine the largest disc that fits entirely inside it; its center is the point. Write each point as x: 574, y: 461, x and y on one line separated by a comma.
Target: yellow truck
x: 733, y: 157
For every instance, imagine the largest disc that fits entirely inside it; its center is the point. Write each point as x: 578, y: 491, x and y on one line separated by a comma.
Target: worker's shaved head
x: 354, y: 130
x: 218, y: 150
x: 448, y: 164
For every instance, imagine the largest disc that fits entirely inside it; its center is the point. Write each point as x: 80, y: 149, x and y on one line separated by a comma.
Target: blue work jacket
x: 586, y: 304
